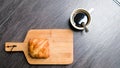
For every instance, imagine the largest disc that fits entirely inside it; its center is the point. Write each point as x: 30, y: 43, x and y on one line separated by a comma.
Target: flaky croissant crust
x: 38, y: 48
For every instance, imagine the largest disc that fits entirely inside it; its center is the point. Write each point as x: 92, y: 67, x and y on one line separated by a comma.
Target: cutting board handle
x: 14, y: 46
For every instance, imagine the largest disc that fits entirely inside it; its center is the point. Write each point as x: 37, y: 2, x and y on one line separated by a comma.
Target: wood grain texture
x: 99, y: 48
x: 59, y: 55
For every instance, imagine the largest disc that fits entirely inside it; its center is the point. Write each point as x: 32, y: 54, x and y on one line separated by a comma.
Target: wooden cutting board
x: 60, y: 44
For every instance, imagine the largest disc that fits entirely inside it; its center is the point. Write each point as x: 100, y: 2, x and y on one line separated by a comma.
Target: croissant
x: 38, y: 48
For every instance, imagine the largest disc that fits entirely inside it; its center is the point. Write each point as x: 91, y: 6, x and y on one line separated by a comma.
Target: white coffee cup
x: 77, y: 11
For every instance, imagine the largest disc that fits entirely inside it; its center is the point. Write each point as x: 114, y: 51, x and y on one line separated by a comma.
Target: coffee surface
x: 79, y: 18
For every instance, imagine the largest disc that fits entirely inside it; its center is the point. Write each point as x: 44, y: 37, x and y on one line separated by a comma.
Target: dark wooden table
x: 98, y: 48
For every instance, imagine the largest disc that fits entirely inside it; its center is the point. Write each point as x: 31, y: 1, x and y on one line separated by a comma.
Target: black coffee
x: 79, y: 18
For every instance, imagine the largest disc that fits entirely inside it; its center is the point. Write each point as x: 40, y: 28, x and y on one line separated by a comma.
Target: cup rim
x: 78, y: 11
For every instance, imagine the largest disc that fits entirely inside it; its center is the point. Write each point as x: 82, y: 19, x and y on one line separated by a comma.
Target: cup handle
x: 91, y: 10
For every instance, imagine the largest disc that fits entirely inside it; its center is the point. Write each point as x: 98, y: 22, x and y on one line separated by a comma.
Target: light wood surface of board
x: 60, y: 44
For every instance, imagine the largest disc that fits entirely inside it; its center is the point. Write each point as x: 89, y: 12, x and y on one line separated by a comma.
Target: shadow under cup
x: 79, y: 16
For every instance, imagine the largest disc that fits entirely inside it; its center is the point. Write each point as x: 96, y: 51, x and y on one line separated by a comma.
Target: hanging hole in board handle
x: 14, y: 46
x: 11, y: 46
